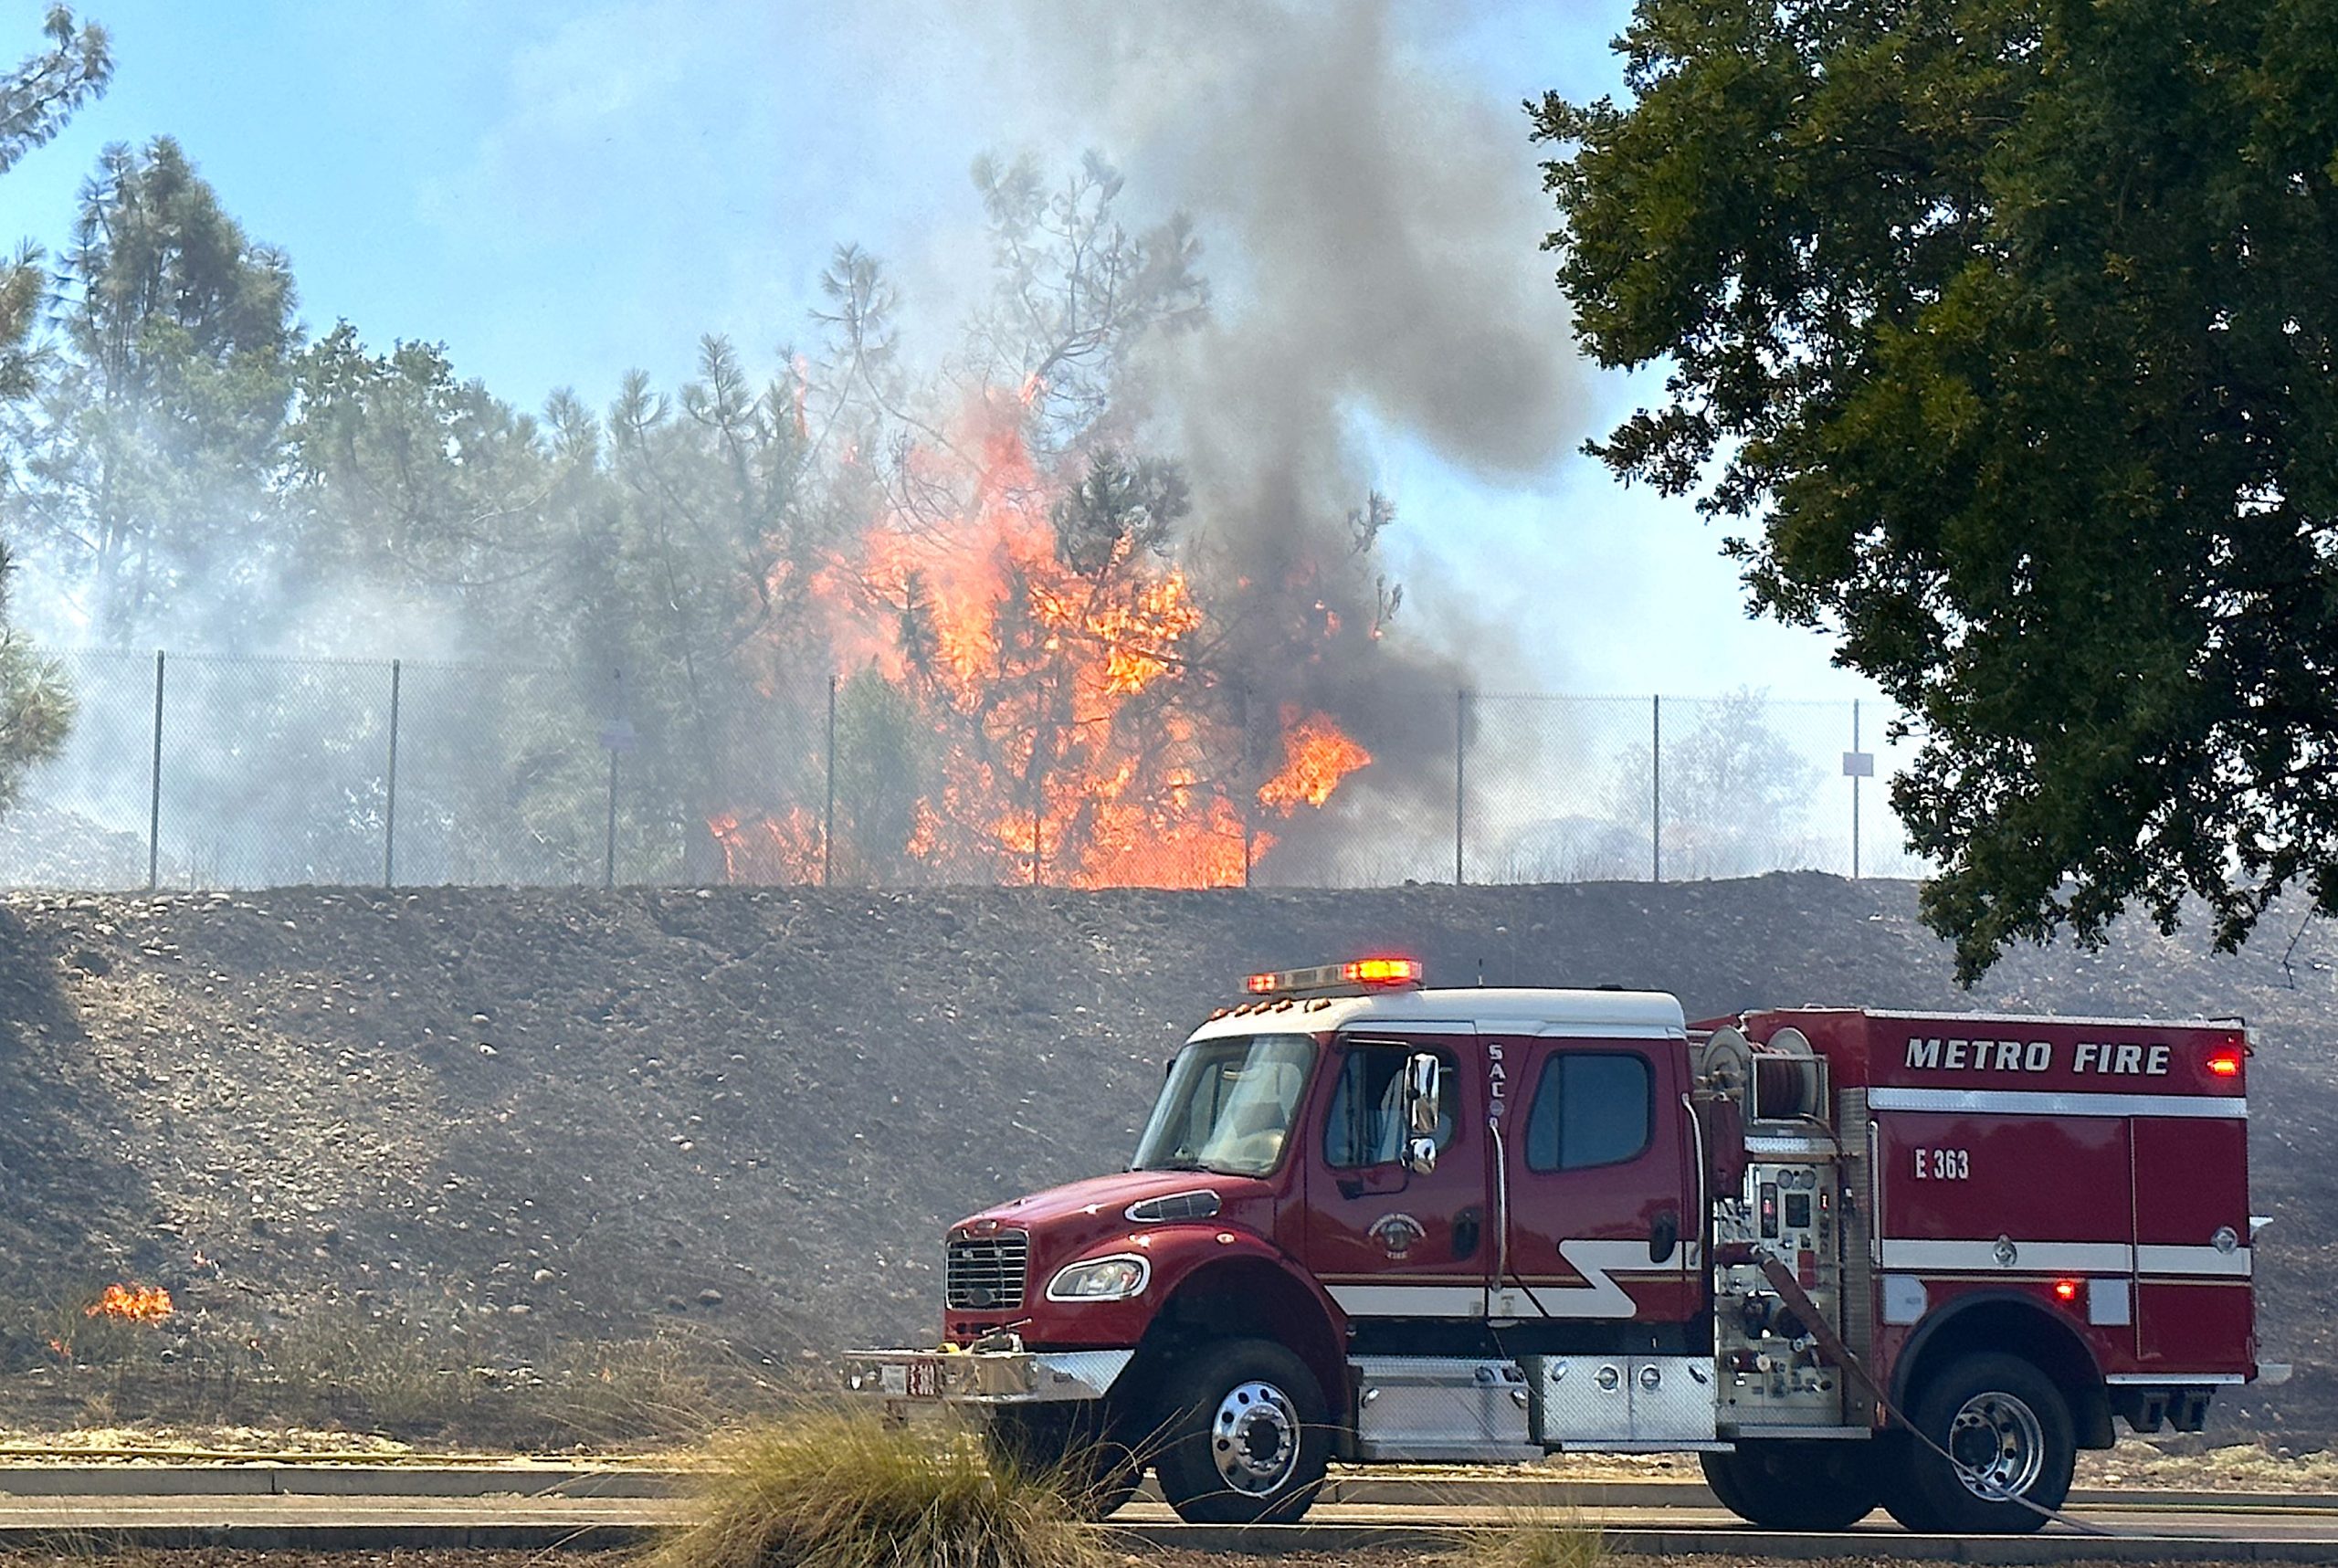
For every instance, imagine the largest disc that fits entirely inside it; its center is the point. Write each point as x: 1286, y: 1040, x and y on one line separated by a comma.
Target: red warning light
x: 2225, y: 1061
x: 1335, y: 978
x: 2066, y: 1290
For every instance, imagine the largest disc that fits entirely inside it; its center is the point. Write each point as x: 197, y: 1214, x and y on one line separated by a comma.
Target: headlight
x: 1113, y: 1278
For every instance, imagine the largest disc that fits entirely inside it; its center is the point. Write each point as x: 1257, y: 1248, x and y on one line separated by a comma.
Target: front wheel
x: 1784, y: 1485
x: 1246, y: 1437
x: 1992, y: 1452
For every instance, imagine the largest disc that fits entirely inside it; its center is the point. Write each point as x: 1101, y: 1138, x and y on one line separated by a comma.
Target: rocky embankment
x: 530, y: 1119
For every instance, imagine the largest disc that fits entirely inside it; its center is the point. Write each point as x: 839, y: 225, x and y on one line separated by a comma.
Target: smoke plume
x: 1371, y: 222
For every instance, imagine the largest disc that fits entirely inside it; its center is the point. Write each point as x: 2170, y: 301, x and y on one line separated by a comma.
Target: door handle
x: 1663, y: 1236
x: 1468, y: 1226
x: 1375, y: 1181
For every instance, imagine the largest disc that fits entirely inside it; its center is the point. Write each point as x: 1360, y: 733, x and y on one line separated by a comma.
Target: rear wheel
x: 1075, y: 1444
x: 1782, y: 1485
x: 1245, y: 1435
x: 2009, y: 1446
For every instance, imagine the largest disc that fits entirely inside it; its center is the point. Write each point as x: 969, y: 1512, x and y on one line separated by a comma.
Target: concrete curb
x: 1533, y: 1493
x: 1333, y: 1539
x: 337, y: 1479
x: 1322, y: 1540
x: 513, y: 1537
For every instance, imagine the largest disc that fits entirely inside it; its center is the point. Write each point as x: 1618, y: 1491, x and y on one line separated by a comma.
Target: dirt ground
x: 413, y: 1161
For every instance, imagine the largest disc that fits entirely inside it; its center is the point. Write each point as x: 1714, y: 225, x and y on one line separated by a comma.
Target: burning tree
x: 1054, y: 656
x: 1058, y: 694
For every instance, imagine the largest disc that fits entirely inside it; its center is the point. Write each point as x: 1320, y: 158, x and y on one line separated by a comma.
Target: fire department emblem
x: 1397, y: 1234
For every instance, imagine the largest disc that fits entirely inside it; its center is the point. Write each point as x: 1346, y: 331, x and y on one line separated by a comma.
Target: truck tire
x: 1072, y: 1444
x: 2010, y: 1432
x: 1244, y: 1435
x: 1783, y: 1485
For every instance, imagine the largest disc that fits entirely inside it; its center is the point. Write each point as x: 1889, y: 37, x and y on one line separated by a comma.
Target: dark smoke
x: 1372, y: 225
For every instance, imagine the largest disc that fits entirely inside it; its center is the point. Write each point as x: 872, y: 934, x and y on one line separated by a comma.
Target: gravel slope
x: 539, y: 1116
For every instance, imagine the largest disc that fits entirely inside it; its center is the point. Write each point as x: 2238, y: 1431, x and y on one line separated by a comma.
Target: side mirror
x: 1420, y: 1155
x: 1420, y: 1094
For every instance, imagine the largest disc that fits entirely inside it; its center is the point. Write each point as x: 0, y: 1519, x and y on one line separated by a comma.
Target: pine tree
x: 151, y: 459
x: 35, y: 99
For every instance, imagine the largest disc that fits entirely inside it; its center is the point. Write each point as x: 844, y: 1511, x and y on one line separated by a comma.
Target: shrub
x: 340, y: 1361
x: 1532, y: 1539
x: 832, y: 1489
x: 608, y: 1394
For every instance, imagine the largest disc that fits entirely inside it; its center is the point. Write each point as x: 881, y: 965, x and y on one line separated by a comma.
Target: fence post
x: 1656, y: 789
x: 1460, y: 776
x: 609, y: 861
x: 155, y: 788
x: 1038, y: 805
x: 1855, y: 792
x: 390, y: 803
x: 1245, y: 791
x: 828, y: 817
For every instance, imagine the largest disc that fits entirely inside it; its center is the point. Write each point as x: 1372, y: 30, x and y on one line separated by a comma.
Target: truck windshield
x: 1227, y: 1106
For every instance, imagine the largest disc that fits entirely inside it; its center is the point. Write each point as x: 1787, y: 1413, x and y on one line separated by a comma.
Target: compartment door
x: 2194, y: 1302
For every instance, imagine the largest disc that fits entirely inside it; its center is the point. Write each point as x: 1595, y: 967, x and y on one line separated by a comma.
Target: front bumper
x: 983, y: 1377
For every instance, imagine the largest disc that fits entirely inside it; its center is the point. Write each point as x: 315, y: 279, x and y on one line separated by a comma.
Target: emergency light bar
x: 1375, y: 973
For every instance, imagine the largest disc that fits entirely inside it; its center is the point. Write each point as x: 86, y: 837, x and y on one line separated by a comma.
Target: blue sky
x: 562, y: 192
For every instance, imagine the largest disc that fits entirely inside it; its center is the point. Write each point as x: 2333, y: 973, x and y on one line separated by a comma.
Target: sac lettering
x: 2126, y: 1058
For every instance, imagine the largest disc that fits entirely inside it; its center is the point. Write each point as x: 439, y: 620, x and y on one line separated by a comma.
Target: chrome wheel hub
x: 1998, y: 1446
x: 1254, y: 1438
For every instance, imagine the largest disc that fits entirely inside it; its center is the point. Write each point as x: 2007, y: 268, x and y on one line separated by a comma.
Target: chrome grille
x: 986, y: 1271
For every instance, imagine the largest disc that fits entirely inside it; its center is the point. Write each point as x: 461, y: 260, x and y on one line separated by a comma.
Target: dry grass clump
x: 2243, y: 1467
x: 840, y: 1488
x: 1533, y: 1538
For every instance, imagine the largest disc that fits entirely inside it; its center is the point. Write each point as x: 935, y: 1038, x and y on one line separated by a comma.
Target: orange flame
x: 1316, y: 756
x: 138, y: 1303
x: 785, y: 848
x: 1071, y: 730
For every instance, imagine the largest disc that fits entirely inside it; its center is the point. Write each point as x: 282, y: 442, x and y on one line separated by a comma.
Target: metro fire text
x: 2128, y: 1058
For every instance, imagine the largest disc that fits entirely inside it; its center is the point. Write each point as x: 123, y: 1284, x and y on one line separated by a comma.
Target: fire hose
x: 1791, y: 1292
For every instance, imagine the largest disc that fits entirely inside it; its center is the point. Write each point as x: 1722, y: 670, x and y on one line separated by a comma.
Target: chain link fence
x: 202, y: 770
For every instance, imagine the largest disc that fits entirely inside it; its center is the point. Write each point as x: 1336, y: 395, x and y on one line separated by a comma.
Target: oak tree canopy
x: 2005, y: 331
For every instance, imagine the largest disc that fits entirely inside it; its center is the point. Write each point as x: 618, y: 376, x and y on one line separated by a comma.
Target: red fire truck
x: 1849, y: 1256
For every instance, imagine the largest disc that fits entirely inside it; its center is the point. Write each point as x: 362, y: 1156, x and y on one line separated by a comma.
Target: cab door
x: 1385, y: 1241
x: 1600, y: 1190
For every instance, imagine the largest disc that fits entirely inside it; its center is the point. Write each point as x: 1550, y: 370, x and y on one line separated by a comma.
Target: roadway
x: 533, y: 1508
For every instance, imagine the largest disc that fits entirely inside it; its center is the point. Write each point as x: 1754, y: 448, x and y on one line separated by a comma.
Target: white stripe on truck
x: 2048, y: 1102
x: 2062, y: 1258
